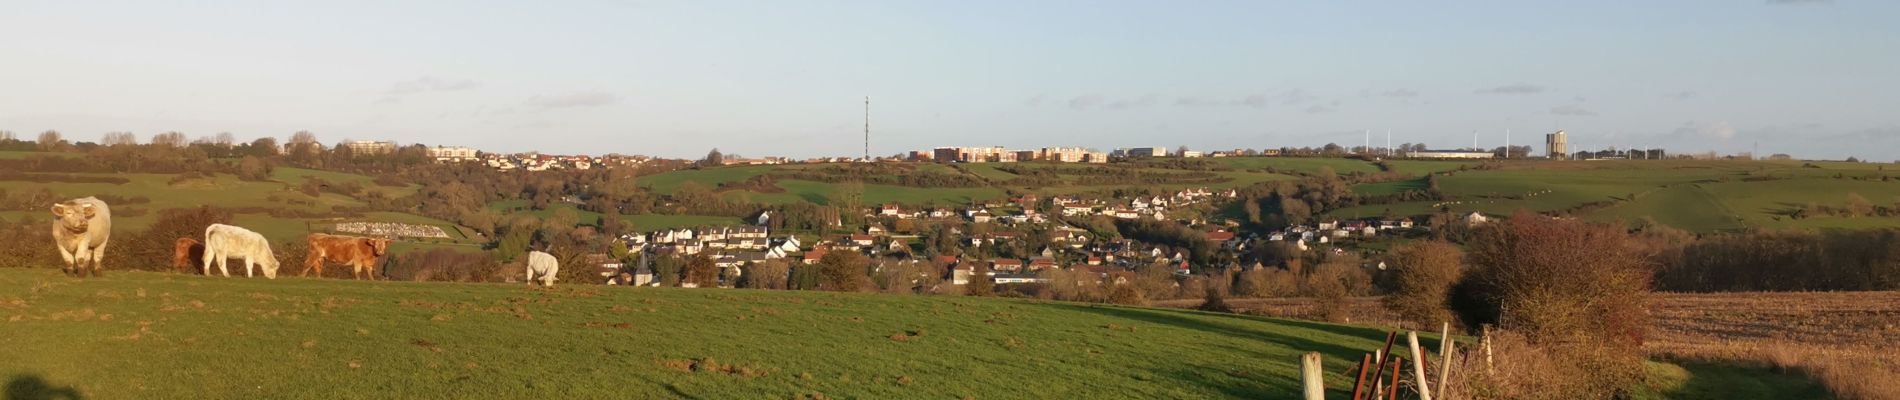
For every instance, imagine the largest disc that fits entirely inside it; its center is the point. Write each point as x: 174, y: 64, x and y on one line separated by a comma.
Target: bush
x: 1126, y: 295
x: 1572, y: 288
x: 1215, y: 302
x: 771, y: 274
x: 445, y: 265
x: 844, y: 271
x: 151, y: 250
x: 1423, y: 273
x: 702, y: 272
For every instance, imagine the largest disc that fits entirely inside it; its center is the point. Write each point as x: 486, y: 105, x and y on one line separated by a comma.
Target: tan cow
x: 81, y: 231
x: 360, y: 253
x: 187, y: 254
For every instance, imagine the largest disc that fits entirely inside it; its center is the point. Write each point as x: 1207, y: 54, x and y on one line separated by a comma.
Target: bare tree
x: 6, y: 135
x: 172, y: 139
x: 120, y: 138
x: 302, y: 137
x: 49, y: 140
x: 225, y: 139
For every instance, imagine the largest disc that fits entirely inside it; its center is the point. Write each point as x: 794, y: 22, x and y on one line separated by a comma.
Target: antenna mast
x: 867, y: 128
x: 1507, y: 143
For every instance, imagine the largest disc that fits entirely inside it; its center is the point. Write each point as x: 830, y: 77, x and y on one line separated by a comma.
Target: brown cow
x: 188, y: 254
x: 360, y: 253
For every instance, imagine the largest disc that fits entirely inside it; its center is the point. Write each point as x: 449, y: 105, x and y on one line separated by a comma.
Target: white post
x: 1310, y: 376
x: 1418, y: 366
x: 1444, y: 368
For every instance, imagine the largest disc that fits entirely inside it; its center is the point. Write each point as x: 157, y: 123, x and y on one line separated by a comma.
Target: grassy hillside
x: 150, y: 335
x: 226, y: 191
x: 1702, y: 196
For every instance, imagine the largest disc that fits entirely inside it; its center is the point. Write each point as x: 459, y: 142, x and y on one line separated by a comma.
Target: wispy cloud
x: 573, y: 100
x: 1085, y: 102
x: 1799, y: 2
x: 1035, y: 101
x: 430, y: 84
x: 1682, y: 95
x: 1400, y: 93
x: 1706, y: 130
x: 1572, y: 110
x: 1318, y: 109
x: 1516, y: 88
x: 1255, y: 101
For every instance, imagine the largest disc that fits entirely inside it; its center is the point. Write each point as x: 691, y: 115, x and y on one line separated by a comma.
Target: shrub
x: 702, y: 272
x: 1126, y: 295
x: 1423, y: 273
x: 844, y: 271
x: 1572, y: 288
x: 771, y: 274
x: 151, y: 249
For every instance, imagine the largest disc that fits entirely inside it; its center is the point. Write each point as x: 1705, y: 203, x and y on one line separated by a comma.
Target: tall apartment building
x: 974, y: 154
x: 1557, y: 145
x: 369, y: 147
x: 457, y: 153
x: 1146, y: 152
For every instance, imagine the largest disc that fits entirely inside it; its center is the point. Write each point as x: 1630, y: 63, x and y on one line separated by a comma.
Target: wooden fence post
x: 1310, y: 376
x: 1397, y: 363
x: 1359, y: 385
x: 1418, y: 366
x: 1383, y: 356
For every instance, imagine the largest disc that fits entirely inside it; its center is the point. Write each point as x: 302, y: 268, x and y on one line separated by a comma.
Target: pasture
x: 1306, y: 165
x: 640, y: 223
x: 1700, y: 196
x: 155, y: 335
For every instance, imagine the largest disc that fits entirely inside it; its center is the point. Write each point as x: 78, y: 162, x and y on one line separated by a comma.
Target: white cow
x: 223, y: 242
x: 544, y: 266
x: 81, y: 231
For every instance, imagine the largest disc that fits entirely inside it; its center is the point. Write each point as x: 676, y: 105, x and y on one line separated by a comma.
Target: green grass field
x: 151, y: 335
x: 159, y: 335
x: 15, y: 155
x: 670, y: 181
x: 1300, y: 164
x: 641, y: 223
x: 1701, y: 196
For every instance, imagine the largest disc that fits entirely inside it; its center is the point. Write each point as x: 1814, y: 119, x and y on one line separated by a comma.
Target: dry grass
x: 1842, y: 339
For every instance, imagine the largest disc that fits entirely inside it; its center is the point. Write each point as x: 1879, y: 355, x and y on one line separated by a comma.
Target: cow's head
x: 75, y: 218
x: 379, y: 246
x: 270, y: 267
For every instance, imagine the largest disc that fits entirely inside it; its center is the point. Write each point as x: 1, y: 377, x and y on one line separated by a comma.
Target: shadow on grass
x: 1214, y: 323
x: 1710, y: 381
x: 32, y: 387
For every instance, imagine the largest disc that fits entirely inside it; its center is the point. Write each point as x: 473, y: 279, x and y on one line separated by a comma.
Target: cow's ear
x: 90, y: 210
x: 59, y: 210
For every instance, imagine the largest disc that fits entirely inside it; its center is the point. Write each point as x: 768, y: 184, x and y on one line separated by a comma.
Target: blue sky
x: 1817, y: 79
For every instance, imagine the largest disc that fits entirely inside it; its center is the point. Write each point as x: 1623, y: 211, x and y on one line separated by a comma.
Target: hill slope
x: 150, y: 335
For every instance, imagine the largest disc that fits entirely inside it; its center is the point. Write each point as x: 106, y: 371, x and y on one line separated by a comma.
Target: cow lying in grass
x: 360, y: 253
x: 543, y: 266
x: 223, y: 242
x: 81, y: 231
x: 187, y: 253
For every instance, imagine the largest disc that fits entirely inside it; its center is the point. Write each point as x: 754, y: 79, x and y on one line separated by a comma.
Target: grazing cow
x: 187, y: 253
x: 360, y: 253
x: 544, y: 266
x: 81, y: 230
x: 224, y: 242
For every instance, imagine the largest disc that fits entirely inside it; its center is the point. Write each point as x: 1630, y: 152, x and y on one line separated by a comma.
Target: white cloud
x: 1706, y: 130
x: 430, y: 84
x: 1572, y: 110
x: 571, y: 100
x: 1516, y: 88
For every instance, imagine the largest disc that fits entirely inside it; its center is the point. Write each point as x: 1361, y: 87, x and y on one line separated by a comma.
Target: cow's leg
x: 67, y: 255
x: 98, y: 260
x: 313, y: 261
x: 82, y: 255
x: 224, y: 265
x: 247, y: 266
x: 206, y: 261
